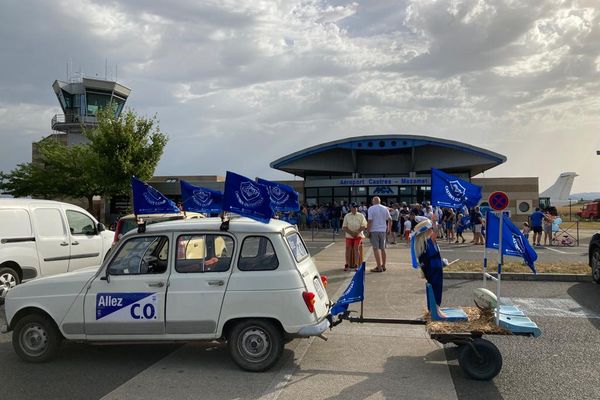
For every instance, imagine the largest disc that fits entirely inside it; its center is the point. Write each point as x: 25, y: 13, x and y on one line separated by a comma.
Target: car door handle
x: 216, y: 283
x: 75, y: 243
x: 64, y: 244
x: 156, y: 284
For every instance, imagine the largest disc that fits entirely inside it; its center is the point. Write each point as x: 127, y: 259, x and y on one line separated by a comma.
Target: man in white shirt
x: 379, y: 225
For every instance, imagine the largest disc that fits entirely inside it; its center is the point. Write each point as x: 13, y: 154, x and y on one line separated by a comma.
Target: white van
x: 43, y: 237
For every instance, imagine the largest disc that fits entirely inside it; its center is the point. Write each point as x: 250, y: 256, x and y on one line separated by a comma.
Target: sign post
x: 499, y: 202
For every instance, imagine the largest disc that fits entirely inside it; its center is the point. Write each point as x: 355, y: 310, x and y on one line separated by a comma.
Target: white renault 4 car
x: 254, y: 285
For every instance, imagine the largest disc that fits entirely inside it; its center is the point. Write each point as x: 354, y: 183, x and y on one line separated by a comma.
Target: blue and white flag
x: 353, y: 293
x: 450, y: 191
x: 199, y: 199
x: 147, y: 200
x: 514, y: 242
x: 283, y: 197
x: 246, y: 197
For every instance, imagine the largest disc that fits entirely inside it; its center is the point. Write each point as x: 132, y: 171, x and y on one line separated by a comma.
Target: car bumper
x: 314, y: 330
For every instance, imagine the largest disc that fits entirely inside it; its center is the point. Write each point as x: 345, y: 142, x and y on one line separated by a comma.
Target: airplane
x: 560, y: 192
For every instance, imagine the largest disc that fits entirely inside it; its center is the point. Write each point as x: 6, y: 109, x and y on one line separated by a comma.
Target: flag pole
x: 500, y: 261
x: 485, y: 253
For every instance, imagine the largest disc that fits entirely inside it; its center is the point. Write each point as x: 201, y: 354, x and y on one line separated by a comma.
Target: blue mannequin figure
x: 426, y: 254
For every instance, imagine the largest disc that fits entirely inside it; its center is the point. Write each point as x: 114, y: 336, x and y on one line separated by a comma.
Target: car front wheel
x: 36, y: 338
x: 596, y: 264
x: 255, y: 345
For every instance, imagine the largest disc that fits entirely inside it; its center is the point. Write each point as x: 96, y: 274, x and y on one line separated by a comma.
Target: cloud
x: 237, y: 84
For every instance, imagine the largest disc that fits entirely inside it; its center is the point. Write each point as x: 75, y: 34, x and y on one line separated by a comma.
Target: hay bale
x: 480, y: 321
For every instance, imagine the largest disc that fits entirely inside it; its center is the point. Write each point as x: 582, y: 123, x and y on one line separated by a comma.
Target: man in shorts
x: 354, y: 224
x: 536, y: 219
x: 379, y: 226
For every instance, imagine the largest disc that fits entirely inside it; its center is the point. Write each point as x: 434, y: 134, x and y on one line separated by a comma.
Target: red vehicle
x: 590, y: 210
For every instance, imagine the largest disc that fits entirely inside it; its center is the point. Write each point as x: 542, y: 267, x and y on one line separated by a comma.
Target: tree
x: 120, y: 146
x: 125, y: 145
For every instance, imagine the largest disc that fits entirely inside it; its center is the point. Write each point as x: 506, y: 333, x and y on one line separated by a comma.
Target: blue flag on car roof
x: 246, y: 197
x: 283, y: 197
x: 199, y: 199
x: 147, y: 200
x: 450, y: 191
x: 514, y: 242
x: 354, y: 292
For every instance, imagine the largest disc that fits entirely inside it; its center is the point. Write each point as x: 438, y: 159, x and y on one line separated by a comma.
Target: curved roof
x: 388, y: 155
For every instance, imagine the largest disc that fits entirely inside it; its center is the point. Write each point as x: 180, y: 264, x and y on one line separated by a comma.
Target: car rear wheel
x: 9, y: 278
x: 255, y: 345
x: 596, y: 264
x: 36, y: 338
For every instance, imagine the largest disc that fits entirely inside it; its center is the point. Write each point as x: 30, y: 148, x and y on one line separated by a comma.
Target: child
x: 526, y: 230
x: 460, y: 228
x: 407, y: 229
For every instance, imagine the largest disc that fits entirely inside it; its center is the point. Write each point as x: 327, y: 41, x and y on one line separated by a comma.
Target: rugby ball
x: 484, y: 298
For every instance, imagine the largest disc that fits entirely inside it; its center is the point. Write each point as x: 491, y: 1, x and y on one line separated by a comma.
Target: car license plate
x: 318, y: 287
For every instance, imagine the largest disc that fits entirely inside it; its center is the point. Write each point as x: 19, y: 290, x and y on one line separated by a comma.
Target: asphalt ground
x: 359, y: 361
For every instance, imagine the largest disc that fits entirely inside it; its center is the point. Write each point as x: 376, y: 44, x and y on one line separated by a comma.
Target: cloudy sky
x: 237, y: 84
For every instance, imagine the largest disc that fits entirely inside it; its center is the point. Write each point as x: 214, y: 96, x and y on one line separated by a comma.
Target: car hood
x: 68, y: 282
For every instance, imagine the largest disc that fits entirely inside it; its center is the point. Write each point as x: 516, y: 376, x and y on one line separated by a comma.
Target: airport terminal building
x: 397, y: 168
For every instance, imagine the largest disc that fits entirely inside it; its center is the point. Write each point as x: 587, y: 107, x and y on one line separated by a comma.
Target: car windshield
x: 297, y: 245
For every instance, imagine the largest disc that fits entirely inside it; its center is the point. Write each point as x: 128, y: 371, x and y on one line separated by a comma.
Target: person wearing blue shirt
x: 536, y: 226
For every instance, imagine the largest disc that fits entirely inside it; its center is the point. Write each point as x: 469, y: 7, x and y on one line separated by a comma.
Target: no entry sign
x: 498, y: 201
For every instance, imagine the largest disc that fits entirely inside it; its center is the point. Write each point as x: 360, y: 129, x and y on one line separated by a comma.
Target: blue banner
x: 147, y: 200
x: 199, y: 199
x: 514, y: 242
x: 245, y: 197
x: 450, y: 191
x: 353, y: 293
x: 283, y: 197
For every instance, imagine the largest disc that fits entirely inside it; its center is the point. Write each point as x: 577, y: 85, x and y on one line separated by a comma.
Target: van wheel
x: 9, y: 278
x: 596, y: 264
x: 36, y: 338
x: 255, y: 345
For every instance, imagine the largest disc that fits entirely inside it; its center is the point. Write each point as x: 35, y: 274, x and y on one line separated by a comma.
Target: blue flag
x: 199, y: 199
x: 353, y: 293
x: 283, y: 197
x: 514, y: 242
x: 147, y: 200
x: 450, y: 191
x: 248, y: 198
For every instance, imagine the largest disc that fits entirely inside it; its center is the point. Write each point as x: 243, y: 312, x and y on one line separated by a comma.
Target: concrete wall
x: 517, y: 189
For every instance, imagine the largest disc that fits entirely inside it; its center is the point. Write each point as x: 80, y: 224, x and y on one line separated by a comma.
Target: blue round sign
x: 498, y: 201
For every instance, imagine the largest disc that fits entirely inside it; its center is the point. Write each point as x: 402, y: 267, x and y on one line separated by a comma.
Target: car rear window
x: 297, y: 245
x: 257, y: 254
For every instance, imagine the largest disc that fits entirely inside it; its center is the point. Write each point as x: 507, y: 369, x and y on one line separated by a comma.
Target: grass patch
x: 578, y: 268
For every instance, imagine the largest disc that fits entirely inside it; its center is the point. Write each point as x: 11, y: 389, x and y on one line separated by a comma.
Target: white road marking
x: 564, y: 308
x: 558, y: 251
x: 329, y: 245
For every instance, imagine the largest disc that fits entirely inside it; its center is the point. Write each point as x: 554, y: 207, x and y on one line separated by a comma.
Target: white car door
x: 129, y: 299
x: 198, y: 283
x: 86, y: 242
x: 52, y: 240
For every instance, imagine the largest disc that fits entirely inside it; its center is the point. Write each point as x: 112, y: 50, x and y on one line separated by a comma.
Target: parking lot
x: 358, y: 361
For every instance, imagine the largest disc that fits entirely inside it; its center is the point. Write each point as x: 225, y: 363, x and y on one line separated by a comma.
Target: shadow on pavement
x: 587, y: 294
x: 79, y: 371
x: 397, y: 380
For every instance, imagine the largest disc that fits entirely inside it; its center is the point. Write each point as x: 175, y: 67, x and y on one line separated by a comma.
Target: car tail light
x: 324, y: 281
x: 309, y: 299
x: 117, y: 231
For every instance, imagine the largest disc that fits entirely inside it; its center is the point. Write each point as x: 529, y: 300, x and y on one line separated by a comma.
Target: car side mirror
x: 106, y: 276
x: 100, y: 227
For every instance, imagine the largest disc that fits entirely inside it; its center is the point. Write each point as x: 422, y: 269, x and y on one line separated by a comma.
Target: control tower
x: 80, y: 100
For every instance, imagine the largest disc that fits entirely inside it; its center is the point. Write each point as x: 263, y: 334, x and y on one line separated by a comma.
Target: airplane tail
x: 561, y: 189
